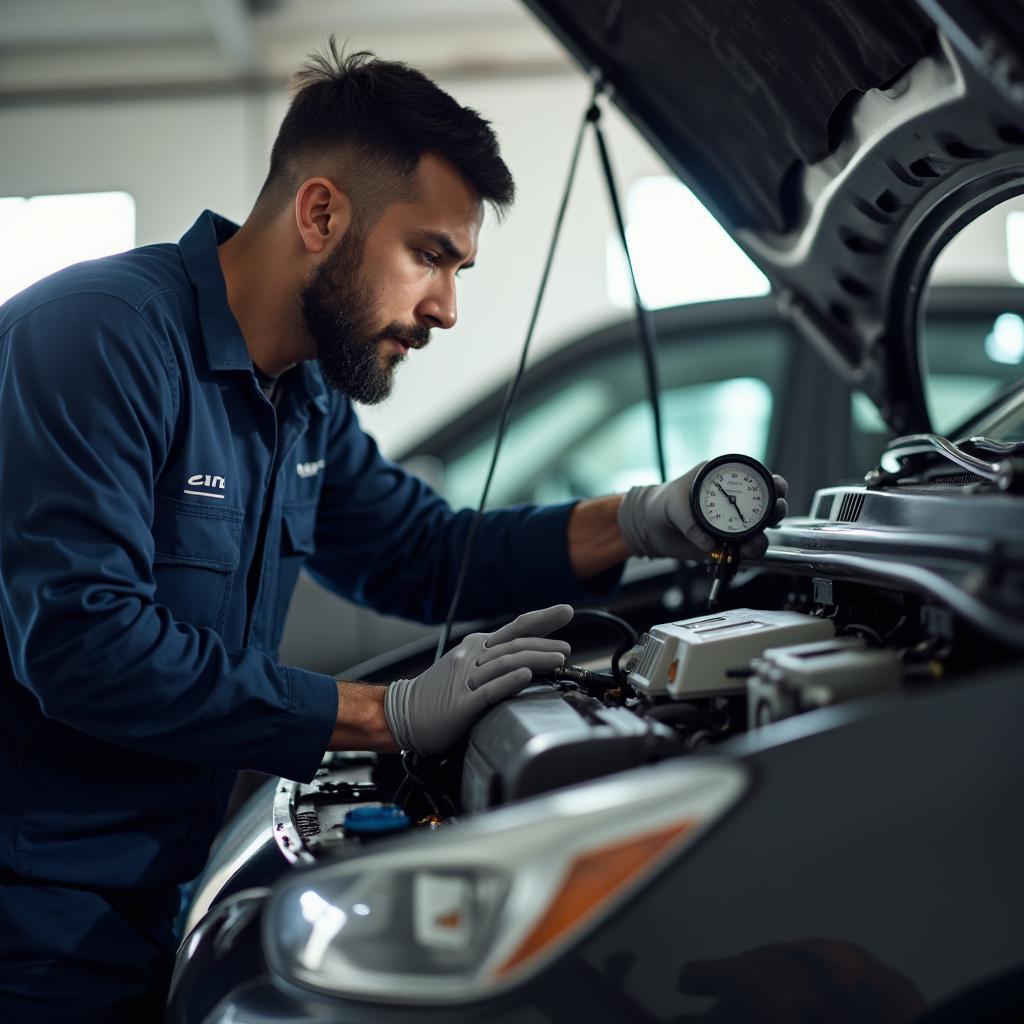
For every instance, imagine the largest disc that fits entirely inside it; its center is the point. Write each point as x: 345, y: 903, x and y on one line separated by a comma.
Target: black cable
x: 425, y: 788
x: 644, y: 322
x: 401, y: 795
x: 629, y: 634
x: 645, y: 327
x: 857, y: 627
x: 510, y: 393
x: 599, y: 615
x: 900, y: 623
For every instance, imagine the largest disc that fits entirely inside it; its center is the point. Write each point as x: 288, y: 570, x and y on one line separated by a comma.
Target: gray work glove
x: 430, y: 713
x: 657, y: 521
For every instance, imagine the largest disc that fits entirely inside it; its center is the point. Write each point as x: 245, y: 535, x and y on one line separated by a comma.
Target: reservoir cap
x: 376, y: 820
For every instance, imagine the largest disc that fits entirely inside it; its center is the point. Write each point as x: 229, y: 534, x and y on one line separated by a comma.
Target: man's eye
x: 430, y: 258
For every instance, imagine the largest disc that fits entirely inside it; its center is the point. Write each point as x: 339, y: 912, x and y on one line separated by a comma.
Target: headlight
x: 458, y: 914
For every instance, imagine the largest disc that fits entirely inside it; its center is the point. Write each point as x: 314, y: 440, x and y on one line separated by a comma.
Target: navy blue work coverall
x: 142, y: 469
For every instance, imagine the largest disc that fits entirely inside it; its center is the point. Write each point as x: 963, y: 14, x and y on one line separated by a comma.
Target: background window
x: 680, y: 252
x: 41, y: 234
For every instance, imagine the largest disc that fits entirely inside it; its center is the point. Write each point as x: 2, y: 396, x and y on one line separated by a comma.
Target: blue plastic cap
x: 376, y: 819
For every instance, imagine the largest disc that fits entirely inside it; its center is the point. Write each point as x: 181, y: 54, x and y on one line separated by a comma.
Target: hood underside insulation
x: 739, y: 95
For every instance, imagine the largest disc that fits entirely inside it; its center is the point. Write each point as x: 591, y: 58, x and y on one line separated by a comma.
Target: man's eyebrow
x: 446, y: 244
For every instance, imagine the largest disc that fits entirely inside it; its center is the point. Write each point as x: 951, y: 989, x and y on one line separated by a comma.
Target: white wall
x: 177, y: 156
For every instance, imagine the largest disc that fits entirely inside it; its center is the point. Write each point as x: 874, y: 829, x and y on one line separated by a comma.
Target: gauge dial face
x: 735, y: 498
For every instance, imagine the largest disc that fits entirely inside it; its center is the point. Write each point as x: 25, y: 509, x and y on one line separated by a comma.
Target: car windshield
x: 1004, y: 423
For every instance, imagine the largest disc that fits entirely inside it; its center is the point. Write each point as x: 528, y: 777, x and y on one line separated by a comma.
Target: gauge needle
x: 732, y: 500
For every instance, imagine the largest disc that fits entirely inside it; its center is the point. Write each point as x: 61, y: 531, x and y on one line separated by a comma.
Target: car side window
x: 699, y: 420
x: 587, y: 430
x: 869, y: 433
x: 967, y: 358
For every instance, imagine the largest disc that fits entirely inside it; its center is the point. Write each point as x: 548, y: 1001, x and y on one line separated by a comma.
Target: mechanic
x: 177, y: 439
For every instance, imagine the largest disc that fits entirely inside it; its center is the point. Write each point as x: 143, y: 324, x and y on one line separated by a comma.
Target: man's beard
x: 338, y: 309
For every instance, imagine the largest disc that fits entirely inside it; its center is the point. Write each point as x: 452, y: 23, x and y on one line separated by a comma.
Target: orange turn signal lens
x: 591, y: 881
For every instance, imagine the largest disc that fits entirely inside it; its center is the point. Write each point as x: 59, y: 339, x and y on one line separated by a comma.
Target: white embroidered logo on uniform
x: 210, y: 485
x: 305, y: 469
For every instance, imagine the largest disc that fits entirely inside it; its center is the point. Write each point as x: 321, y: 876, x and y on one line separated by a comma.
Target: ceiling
x: 73, y: 48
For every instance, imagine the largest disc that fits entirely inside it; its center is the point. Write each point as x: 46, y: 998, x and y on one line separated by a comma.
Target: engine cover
x: 543, y: 739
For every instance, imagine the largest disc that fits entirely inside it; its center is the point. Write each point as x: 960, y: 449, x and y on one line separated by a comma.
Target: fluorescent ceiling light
x: 1005, y: 342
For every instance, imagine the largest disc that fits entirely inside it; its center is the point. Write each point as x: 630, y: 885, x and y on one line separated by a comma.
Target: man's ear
x: 323, y: 213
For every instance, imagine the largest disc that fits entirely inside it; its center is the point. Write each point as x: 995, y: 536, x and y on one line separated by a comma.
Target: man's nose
x: 439, y: 308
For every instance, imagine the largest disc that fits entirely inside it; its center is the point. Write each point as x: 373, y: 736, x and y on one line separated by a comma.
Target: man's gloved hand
x: 657, y: 521
x: 431, y: 712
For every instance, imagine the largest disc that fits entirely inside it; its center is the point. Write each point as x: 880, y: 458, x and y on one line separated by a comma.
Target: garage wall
x: 179, y: 155
x: 174, y: 155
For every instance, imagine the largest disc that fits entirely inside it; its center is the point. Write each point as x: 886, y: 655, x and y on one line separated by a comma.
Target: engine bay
x: 851, y: 602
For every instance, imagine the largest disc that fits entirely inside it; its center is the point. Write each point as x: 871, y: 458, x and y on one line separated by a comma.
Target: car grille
x: 850, y: 507
x: 955, y: 480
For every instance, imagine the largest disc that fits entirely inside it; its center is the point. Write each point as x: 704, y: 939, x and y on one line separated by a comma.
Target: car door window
x: 587, y: 430
x: 700, y: 420
x: 967, y: 358
x: 530, y: 441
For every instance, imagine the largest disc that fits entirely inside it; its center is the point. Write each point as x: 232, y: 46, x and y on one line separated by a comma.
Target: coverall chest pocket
x: 196, y: 559
x: 298, y: 526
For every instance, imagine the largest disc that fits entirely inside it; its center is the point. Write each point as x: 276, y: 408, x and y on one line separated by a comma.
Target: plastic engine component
x: 541, y: 739
x: 789, y: 680
x: 692, y: 658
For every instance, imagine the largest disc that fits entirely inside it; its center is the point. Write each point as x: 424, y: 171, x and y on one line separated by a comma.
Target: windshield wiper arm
x: 901, y: 460
x: 993, y: 447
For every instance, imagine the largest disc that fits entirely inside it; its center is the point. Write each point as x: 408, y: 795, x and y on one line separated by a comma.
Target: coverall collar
x: 222, y: 337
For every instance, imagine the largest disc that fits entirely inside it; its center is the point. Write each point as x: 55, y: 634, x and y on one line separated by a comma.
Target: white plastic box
x: 691, y: 658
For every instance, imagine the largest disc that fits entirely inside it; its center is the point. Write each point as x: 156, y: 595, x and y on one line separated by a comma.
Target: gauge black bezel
x: 710, y: 466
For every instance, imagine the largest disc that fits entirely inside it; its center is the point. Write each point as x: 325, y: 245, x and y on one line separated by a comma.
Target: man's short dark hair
x: 370, y: 121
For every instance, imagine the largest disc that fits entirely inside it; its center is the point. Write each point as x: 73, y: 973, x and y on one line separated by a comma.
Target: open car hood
x: 840, y: 142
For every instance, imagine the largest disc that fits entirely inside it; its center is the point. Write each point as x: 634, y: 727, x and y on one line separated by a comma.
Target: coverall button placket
x: 259, y: 559
x: 291, y: 416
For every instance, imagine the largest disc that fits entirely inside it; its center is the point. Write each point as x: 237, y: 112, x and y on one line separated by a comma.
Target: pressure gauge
x: 733, y: 497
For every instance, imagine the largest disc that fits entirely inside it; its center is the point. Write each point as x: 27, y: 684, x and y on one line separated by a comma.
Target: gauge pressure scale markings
x: 733, y: 498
